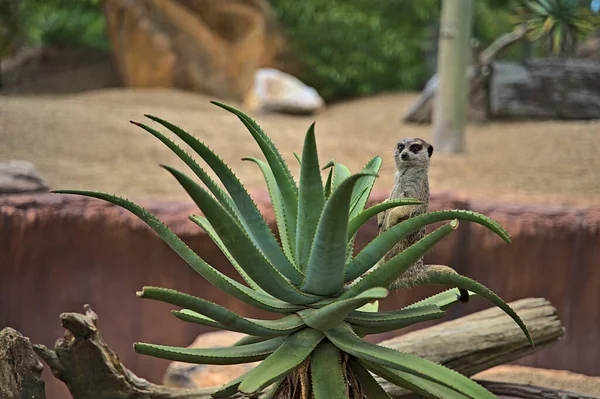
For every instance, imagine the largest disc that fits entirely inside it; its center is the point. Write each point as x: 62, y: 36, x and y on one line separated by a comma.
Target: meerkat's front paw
x: 432, y: 272
x: 397, y: 215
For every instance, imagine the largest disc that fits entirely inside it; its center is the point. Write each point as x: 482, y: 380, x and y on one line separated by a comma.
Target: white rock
x: 20, y: 177
x: 277, y: 91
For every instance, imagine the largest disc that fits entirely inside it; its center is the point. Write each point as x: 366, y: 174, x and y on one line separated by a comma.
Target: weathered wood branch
x: 502, y: 44
x: 470, y: 344
x: 91, y: 370
x: 422, y: 110
x: 545, y: 89
x: 20, y: 368
x: 509, y: 390
x: 13, y: 63
x: 481, y: 340
x: 522, y: 391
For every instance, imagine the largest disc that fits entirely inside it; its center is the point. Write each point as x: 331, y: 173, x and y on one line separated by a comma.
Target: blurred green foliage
x: 343, y: 48
x: 350, y: 48
x: 60, y: 22
x: 558, y: 24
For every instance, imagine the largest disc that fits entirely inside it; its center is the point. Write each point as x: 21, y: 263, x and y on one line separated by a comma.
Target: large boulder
x: 18, y: 177
x: 277, y: 91
x: 209, y: 46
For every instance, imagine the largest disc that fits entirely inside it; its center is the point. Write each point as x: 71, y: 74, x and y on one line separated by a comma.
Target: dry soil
x: 84, y: 140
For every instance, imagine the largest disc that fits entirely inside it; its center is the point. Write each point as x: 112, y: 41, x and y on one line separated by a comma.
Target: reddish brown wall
x: 58, y: 253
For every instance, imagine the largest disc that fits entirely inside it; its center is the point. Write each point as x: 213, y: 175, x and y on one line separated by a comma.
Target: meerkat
x: 412, y: 156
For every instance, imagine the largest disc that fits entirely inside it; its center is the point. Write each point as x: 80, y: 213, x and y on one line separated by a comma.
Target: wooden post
x: 450, y: 112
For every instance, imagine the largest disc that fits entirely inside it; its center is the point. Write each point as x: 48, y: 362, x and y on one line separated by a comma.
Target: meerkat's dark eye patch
x: 415, y: 148
x: 400, y: 146
x: 430, y: 150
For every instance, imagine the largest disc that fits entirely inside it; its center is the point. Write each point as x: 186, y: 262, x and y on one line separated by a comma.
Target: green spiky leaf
x: 229, y: 389
x: 296, y: 347
x: 326, y: 372
x: 248, y: 213
x: 218, y: 279
x: 387, y: 273
x: 443, y: 300
x: 311, y: 199
x: 241, y: 247
x: 224, y: 316
x: 456, y: 280
x: 192, y: 317
x: 376, y: 249
x: 249, y: 339
x: 334, y: 314
x: 340, y: 174
x: 364, y: 323
x: 327, y: 189
x: 356, y: 198
x: 363, y: 189
x: 283, y: 176
x: 277, y: 204
x: 222, y: 356
x: 325, y: 271
x: 208, y: 229
x: 370, y: 307
x: 343, y: 338
x: 273, y: 390
x: 361, y: 218
x: 418, y: 385
x: 368, y: 384
x: 221, y: 196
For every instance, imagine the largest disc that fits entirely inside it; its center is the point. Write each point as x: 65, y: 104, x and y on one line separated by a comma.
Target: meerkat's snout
x: 404, y: 156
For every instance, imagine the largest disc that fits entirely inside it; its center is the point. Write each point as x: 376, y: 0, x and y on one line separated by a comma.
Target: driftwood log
x: 545, y: 89
x: 507, y: 390
x: 470, y: 344
x: 556, y: 88
x: 91, y: 370
x: 481, y: 340
x: 485, y: 339
x: 522, y: 391
x: 20, y: 368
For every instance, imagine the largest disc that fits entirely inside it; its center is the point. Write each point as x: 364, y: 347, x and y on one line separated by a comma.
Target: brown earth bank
x: 60, y: 252
x: 85, y: 141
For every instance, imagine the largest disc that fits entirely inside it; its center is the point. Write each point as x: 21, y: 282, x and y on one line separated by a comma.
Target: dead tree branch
x: 20, y: 368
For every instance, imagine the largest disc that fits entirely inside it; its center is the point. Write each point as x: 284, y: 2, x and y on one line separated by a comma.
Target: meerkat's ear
x: 430, y: 150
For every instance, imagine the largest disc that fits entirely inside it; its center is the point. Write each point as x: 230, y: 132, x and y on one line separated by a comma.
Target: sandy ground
x: 84, y: 141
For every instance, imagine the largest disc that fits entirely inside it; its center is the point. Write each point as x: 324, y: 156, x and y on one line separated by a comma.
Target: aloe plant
x: 325, y: 296
x: 558, y: 23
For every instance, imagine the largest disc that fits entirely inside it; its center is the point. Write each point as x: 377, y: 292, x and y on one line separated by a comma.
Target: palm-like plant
x: 325, y: 297
x: 558, y: 23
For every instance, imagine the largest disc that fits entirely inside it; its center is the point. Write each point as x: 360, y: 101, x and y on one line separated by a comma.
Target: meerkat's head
x: 412, y: 152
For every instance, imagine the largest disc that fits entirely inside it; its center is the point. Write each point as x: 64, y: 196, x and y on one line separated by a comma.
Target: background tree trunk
x: 450, y: 113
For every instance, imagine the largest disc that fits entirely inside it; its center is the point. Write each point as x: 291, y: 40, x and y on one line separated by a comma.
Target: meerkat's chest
x: 409, y: 190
